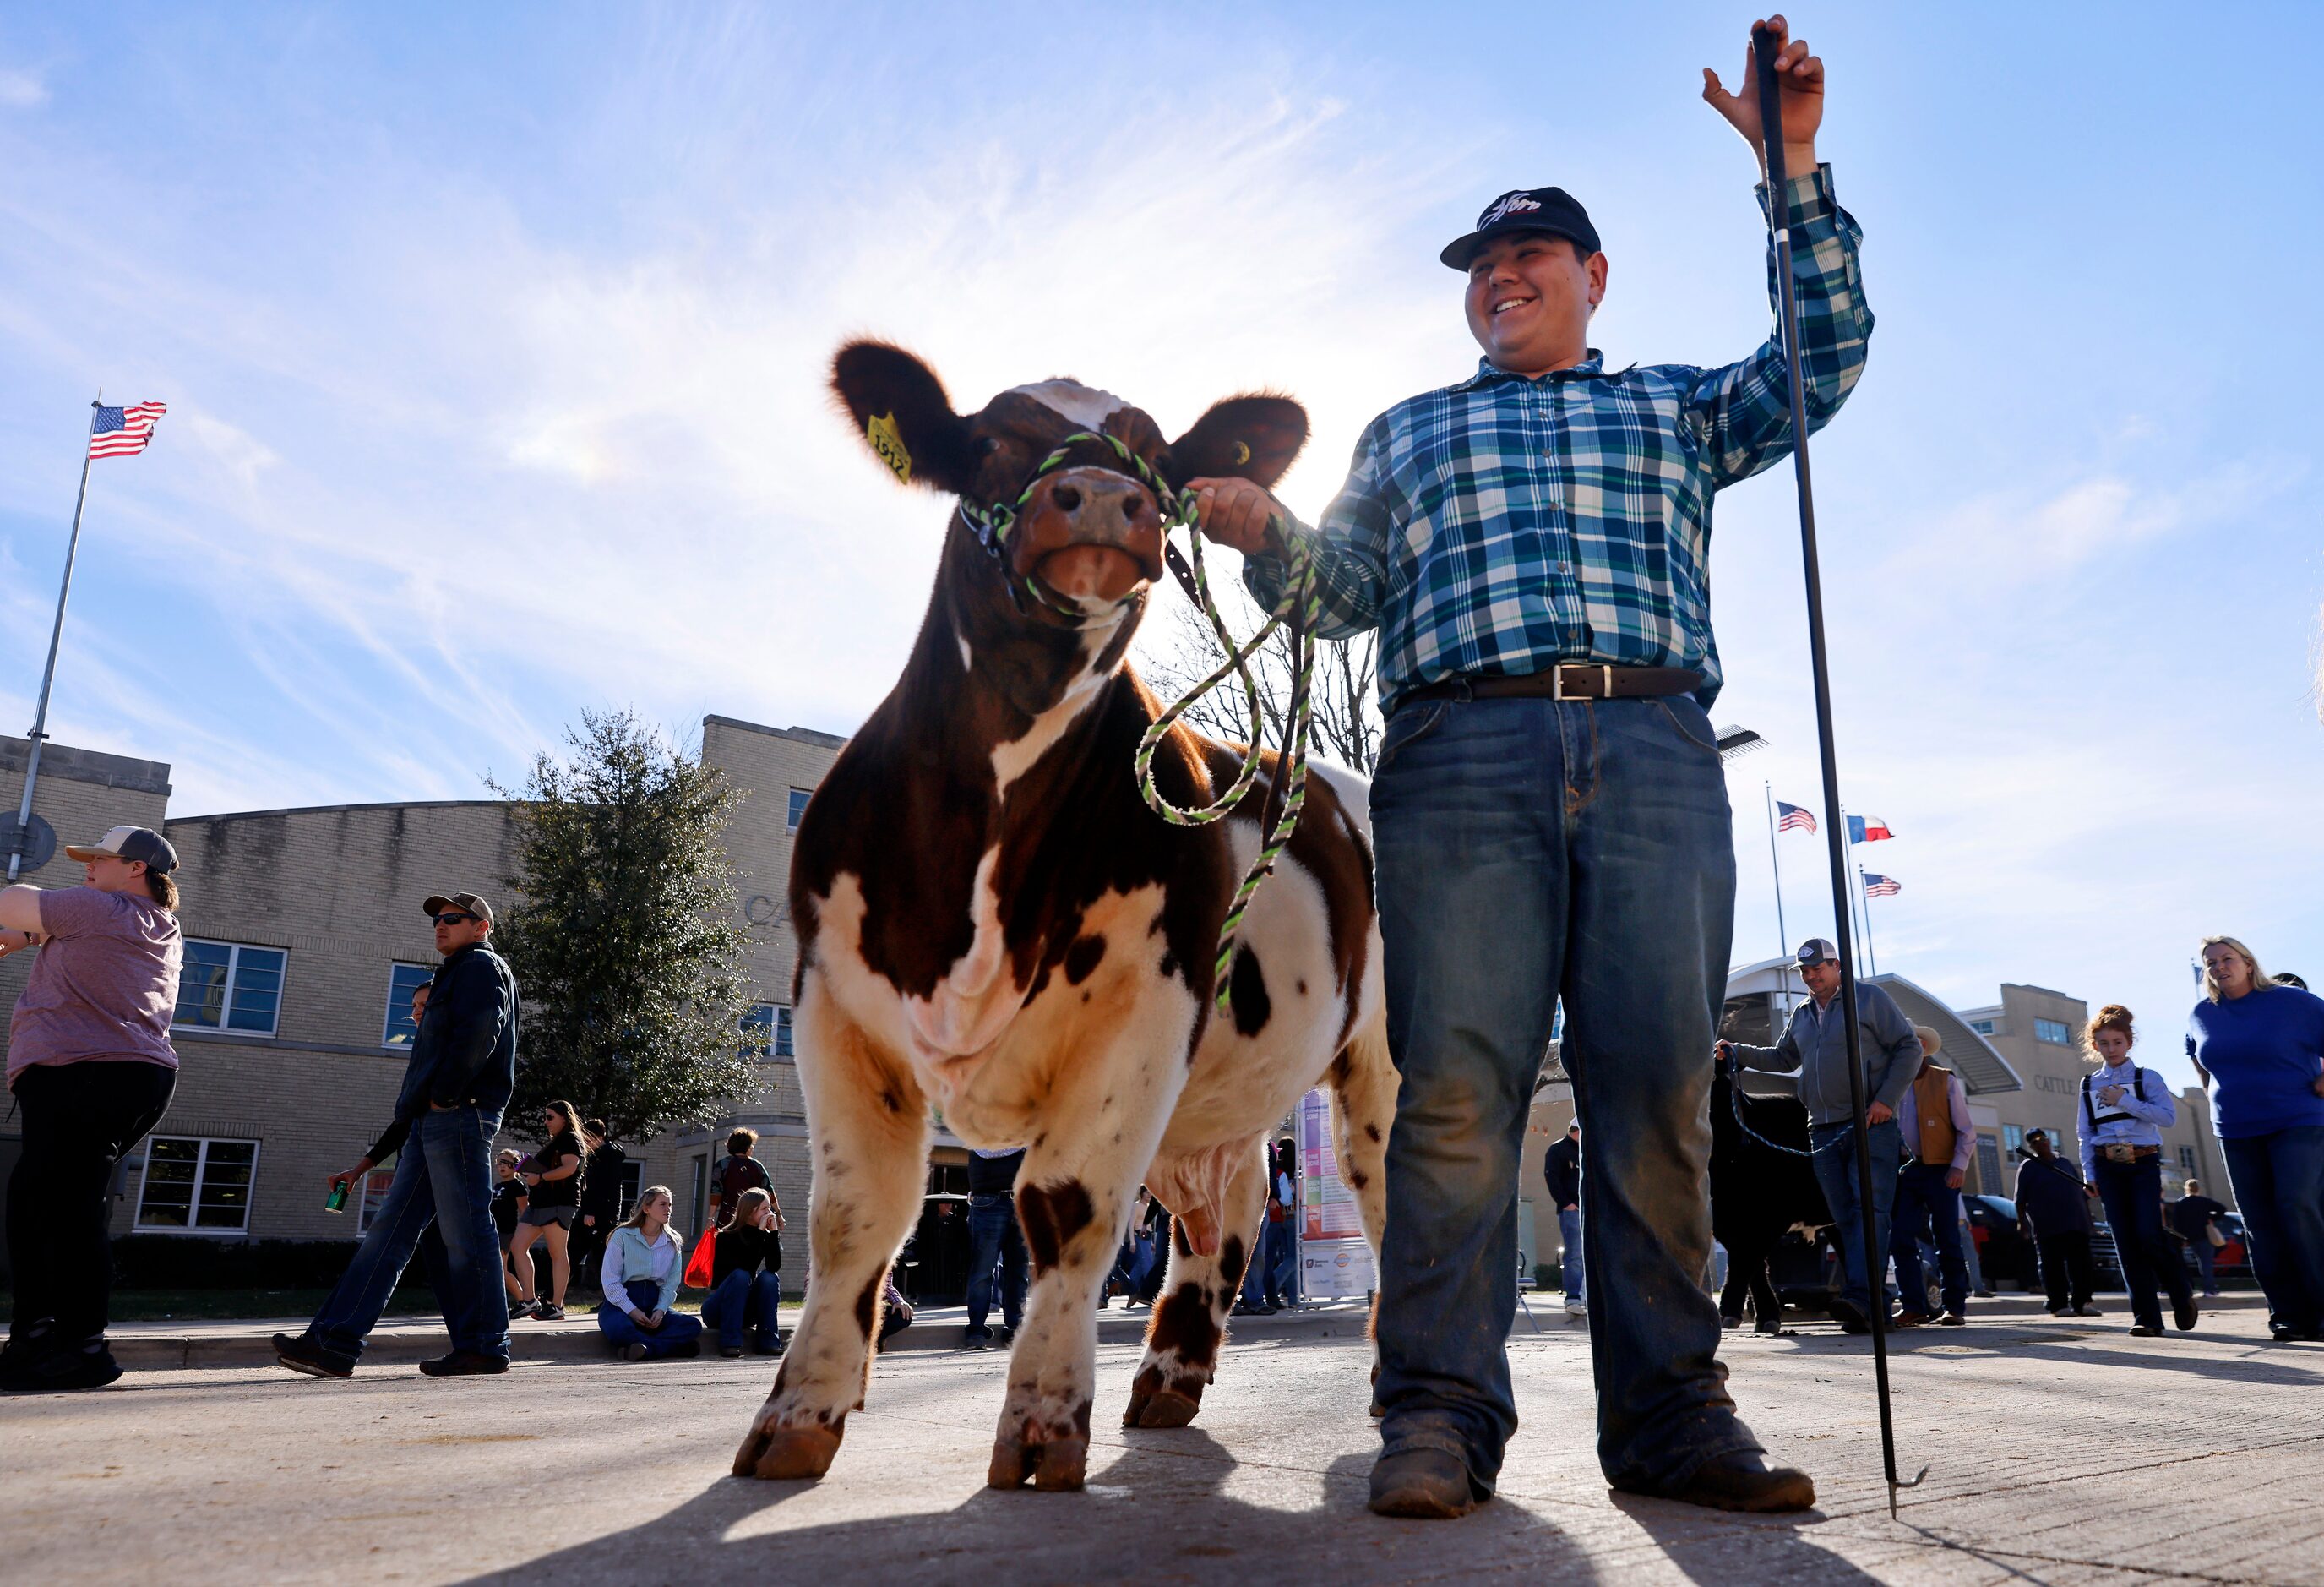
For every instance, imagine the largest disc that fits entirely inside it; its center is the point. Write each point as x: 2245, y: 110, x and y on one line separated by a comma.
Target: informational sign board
x: 1333, y: 1260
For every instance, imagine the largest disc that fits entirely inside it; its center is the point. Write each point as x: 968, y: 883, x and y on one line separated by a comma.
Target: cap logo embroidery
x: 888, y: 441
x: 1514, y: 204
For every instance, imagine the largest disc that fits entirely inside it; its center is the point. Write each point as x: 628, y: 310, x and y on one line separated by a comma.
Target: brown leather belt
x: 1567, y: 680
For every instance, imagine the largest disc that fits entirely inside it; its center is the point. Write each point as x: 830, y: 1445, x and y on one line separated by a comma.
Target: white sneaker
x: 1575, y: 1308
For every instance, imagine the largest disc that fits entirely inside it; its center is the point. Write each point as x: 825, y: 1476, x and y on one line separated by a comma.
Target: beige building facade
x: 304, y: 936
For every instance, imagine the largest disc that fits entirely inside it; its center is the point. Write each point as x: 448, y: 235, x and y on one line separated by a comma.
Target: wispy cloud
x: 21, y: 90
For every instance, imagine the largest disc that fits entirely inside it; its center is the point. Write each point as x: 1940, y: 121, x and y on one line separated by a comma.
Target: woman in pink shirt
x: 92, y: 1069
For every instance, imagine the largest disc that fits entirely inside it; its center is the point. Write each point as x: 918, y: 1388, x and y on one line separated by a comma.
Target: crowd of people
x: 92, y: 1070
x: 2256, y: 1041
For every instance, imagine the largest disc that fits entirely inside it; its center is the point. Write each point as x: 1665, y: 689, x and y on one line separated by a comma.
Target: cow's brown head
x: 1091, y: 529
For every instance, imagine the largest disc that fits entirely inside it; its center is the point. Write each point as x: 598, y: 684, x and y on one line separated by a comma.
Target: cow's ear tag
x: 889, y: 442
x: 1242, y: 453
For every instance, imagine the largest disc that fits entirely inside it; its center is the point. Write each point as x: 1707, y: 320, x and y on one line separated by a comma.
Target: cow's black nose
x: 1066, y: 497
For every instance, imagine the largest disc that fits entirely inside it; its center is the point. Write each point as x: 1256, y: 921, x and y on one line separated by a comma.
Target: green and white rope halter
x: 1301, y: 609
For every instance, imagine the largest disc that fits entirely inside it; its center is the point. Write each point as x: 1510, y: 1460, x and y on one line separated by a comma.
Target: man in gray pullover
x: 1814, y: 1046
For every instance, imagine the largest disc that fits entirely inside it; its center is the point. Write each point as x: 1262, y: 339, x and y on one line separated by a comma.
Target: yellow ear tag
x: 1241, y: 454
x: 889, y: 442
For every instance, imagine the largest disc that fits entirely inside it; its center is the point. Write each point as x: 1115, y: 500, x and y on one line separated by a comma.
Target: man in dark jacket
x: 2053, y: 1211
x: 1561, y: 1168
x: 1814, y: 1045
x: 456, y: 1086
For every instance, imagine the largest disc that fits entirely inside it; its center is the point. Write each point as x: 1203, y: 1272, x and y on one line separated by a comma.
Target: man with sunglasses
x: 456, y: 1086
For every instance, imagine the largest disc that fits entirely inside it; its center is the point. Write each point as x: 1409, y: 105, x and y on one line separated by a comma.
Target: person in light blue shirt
x: 2260, y: 1047
x: 2122, y: 1112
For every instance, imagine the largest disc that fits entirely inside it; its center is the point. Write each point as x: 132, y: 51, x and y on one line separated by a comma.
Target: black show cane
x: 1771, y: 131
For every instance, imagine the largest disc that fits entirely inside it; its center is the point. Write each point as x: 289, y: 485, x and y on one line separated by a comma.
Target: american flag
x: 123, y: 432
x: 1880, y: 887
x: 1792, y: 817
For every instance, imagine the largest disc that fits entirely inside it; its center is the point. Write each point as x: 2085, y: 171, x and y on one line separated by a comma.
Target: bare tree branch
x: 1343, y: 690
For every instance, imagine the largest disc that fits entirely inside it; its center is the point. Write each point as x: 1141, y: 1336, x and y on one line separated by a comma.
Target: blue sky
x: 494, y: 340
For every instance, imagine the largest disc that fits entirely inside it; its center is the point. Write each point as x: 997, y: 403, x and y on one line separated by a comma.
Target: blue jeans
x: 1529, y: 849
x: 995, y: 1242
x: 443, y: 1176
x: 2279, y: 1180
x: 2207, y: 1262
x: 676, y: 1328
x: 1835, y: 1171
x: 2133, y: 1195
x: 1927, y: 1208
x: 1569, y: 1237
x: 742, y: 1301
x: 1283, y: 1260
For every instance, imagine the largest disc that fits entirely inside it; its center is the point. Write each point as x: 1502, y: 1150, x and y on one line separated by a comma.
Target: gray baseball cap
x: 1817, y: 950
x: 128, y: 842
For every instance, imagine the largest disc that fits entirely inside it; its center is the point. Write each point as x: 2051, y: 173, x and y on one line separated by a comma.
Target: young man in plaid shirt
x: 1551, y: 820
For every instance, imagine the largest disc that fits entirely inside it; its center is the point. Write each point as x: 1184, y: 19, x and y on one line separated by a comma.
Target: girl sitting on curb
x: 746, y: 1283
x: 640, y: 1276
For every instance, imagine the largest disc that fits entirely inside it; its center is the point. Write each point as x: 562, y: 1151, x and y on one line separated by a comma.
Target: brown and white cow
x: 992, y: 924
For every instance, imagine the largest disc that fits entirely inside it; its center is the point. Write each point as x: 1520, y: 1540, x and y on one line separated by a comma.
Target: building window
x: 374, y: 1191
x: 403, y: 981
x: 766, y: 1031
x: 799, y: 797
x: 630, y: 1170
x: 197, y: 1185
x: 1982, y: 1027
x: 229, y: 986
x: 2187, y: 1161
x: 2012, y: 1137
x: 2054, y: 1031
x: 1988, y: 1168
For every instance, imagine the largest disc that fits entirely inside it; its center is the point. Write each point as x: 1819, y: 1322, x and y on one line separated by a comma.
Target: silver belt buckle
x: 1605, y: 680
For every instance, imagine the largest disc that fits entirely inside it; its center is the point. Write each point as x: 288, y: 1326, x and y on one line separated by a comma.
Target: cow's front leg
x: 1217, y: 1197
x: 868, y: 1129
x: 1081, y: 1172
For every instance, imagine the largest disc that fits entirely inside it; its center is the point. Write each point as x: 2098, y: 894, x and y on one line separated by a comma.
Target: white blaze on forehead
x: 1085, y: 406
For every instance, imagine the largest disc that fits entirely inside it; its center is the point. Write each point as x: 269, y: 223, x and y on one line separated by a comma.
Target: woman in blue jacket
x: 2260, y: 1047
x: 640, y: 1276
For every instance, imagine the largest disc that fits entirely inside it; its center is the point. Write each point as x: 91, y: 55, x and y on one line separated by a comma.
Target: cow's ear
x: 899, y: 408
x: 1242, y: 438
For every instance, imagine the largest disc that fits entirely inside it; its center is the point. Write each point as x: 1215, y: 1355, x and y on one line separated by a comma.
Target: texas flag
x: 1868, y: 829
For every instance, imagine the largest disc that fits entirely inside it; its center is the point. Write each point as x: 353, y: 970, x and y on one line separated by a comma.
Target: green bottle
x: 337, y: 1202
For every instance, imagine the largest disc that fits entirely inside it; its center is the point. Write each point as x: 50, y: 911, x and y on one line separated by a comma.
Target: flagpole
x: 1864, y: 888
x: 1847, y: 885
x: 1782, y: 937
x: 23, y: 834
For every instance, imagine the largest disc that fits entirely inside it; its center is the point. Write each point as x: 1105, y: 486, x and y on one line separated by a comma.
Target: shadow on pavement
x: 2159, y: 1357
x: 1724, y: 1550
x: 1156, y: 1512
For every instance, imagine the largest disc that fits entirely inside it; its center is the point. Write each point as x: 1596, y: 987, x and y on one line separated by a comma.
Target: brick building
x: 304, y: 937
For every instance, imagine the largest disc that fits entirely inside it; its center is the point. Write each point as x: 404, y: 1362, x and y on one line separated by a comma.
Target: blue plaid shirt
x: 1507, y: 523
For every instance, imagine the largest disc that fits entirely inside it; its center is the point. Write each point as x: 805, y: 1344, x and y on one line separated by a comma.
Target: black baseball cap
x: 1525, y: 209
x: 129, y: 843
x: 1816, y: 950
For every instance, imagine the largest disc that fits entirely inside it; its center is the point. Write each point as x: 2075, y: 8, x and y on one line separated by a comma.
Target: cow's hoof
x: 1059, y: 1465
x: 1166, y: 1407
x: 775, y: 1455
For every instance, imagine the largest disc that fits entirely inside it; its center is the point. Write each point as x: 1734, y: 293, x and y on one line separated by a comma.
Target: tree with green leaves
x: 625, y: 937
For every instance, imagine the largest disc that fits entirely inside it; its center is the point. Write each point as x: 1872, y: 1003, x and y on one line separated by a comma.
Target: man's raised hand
x: 1799, y: 77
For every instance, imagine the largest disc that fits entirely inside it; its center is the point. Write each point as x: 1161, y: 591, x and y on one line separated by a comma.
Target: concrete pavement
x: 2063, y: 1453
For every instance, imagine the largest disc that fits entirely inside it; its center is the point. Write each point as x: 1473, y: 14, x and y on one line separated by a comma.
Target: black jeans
x: 2133, y: 1195
x: 79, y: 1120
x: 2066, y: 1270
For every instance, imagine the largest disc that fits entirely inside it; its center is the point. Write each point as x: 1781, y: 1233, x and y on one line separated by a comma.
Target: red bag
x: 698, y: 1267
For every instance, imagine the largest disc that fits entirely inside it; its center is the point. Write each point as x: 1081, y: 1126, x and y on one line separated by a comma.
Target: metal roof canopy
x: 1981, y: 1066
